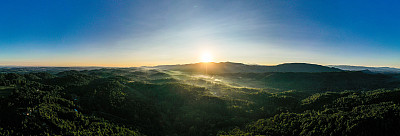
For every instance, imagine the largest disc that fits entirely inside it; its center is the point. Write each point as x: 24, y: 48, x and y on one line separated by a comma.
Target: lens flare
x: 206, y: 57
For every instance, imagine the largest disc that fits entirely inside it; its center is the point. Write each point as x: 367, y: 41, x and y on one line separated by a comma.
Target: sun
x: 206, y: 57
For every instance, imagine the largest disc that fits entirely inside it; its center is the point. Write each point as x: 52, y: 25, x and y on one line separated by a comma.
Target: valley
x: 167, y: 101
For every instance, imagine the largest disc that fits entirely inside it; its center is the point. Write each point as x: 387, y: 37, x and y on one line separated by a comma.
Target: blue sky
x: 146, y: 32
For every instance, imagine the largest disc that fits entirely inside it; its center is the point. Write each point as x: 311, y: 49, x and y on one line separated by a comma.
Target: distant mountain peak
x: 233, y: 67
x: 386, y: 70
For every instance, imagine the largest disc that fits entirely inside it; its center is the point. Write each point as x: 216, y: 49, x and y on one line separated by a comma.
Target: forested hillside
x: 149, y: 101
x: 347, y: 113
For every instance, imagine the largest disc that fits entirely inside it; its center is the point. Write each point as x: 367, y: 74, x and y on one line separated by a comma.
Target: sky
x: 146, y: 32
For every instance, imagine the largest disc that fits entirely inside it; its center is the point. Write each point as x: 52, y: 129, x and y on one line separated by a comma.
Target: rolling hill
x: 385, y: 70
x: 231, y: 67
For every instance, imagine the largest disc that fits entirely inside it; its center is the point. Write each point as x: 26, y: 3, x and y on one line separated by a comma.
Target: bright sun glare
x: 206, y: 57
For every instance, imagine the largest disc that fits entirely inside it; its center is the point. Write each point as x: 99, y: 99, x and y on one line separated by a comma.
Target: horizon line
x: 103, y: 66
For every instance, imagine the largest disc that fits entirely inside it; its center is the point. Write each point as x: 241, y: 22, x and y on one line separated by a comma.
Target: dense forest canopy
x: 153, y: 101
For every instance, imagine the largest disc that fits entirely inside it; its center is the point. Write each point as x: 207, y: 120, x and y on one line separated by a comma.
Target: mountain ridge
x: 233, y: 67
x: 384, y: 70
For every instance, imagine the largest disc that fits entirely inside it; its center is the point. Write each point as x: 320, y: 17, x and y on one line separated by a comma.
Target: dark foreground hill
x: 350, y: 113
x: 158, y: 102
x: 230, y: 67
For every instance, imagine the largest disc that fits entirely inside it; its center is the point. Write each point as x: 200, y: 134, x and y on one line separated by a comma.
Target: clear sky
x: 146, y: 32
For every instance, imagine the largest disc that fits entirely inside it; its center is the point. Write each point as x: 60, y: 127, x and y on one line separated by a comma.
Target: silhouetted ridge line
x: 231, y: 67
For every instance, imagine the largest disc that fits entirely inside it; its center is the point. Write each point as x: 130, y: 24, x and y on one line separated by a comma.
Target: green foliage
x: 347, y: 113
x: 38, y: 109
x: 317, y: 82
x: 126, y: 101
